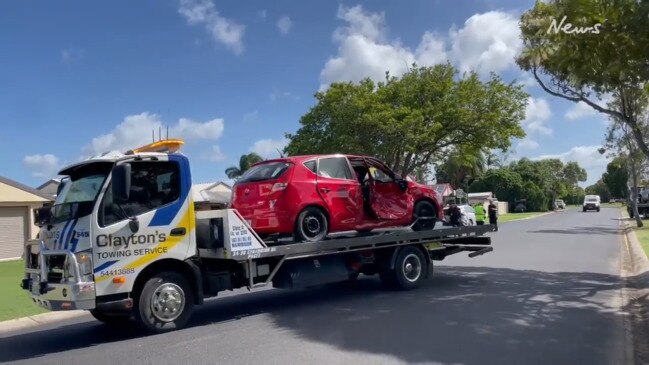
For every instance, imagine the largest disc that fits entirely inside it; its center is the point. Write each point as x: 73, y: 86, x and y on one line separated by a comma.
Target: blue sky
x: 83, y: 77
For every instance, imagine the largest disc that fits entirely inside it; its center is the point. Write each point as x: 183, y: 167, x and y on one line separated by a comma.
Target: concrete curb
x: 37, y: 320
x: 634, y: 265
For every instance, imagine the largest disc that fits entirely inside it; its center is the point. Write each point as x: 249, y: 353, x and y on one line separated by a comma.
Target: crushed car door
x: 387, y: 199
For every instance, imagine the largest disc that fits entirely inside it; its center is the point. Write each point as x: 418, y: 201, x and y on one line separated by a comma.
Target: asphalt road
x: 548, y: 294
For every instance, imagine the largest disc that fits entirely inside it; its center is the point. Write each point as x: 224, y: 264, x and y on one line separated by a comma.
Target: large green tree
x: 234, y: 172
x: 616, y: 177
x: 607, y: 55
x: 413, y: 120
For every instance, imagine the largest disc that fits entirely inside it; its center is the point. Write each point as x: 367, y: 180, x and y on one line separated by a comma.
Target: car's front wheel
x: 424, y: 216
x: 165, y: 303
x: 311, y: 225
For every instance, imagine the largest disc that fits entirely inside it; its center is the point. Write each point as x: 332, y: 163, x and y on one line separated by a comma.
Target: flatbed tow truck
x: 121, y: 257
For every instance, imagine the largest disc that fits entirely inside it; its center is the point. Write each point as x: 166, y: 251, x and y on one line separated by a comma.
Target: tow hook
x: 44, y: 288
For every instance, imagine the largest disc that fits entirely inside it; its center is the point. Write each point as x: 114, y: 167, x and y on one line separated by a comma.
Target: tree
x: 583, y: 67
x: 616, y: 177
x: 599, y: 189
x: 414, y: 120
x: 461, y: 168
x: 234, y: 172
x: 506, y: 184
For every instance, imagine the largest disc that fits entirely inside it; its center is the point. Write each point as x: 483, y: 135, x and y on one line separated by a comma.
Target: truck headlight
x: 84, y: 260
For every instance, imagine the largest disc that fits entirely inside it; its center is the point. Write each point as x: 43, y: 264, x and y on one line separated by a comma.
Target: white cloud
x: 215, y: 154
x: 487, y: 42
x: 284, y: 24
x: 528, y: 143
x: 70, y: 55
x: 363, y: 51
x: 262, y: 14
x: 537, y: 113
x: 275, y: 95
x: 223, y: 30
x: 136, y: 130
x: 46, y: 165
x: 251, y: 117
x: 588, y: 157
x: 582, y: 110
x: 268, y: 148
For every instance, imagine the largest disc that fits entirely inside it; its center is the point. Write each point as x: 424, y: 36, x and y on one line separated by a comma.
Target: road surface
x: 548, y: 294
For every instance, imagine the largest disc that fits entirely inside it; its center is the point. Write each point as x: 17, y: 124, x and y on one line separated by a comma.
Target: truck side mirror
x: 121, y: 184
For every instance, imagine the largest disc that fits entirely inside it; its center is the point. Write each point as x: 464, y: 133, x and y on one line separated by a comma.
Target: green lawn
x: 15, y: 301
x: 507, y: 217
x: 643, y: 238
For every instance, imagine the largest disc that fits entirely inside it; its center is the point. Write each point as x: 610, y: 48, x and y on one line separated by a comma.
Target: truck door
x: 340, y: 191
x: 388, y: 201
x: 155, y: 222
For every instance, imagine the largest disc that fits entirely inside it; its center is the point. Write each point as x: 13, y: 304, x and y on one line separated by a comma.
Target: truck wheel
x: 424, y: 209
x: 111, y: 319
x: 598, y: 209
x: 311, y: 225
x: 165, y: 303
x: 410, y: 269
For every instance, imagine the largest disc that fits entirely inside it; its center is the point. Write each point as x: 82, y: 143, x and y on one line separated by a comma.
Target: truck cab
x: 115, y: 216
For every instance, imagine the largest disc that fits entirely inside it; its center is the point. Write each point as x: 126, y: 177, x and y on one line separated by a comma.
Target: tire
x: 584, y: 210
x: 151, y: 306
x: 111, y: 319
x: 410, y: 270
x: 311, y: 225
x: 598, y: 209
x: 424, y: 209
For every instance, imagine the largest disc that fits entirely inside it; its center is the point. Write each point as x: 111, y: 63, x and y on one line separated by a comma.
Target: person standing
x: 493, y: 214
x: 480, y: 214
x: 455, y: 214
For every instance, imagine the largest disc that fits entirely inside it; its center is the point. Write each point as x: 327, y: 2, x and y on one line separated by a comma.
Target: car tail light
x: 279, y: 186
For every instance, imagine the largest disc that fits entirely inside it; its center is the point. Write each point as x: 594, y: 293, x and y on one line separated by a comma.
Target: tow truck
x: 125, y: 241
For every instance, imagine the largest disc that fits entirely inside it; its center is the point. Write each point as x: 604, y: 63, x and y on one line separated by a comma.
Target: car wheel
x: 165, y: 303
x: 426, y: 211
x: 311, y: 225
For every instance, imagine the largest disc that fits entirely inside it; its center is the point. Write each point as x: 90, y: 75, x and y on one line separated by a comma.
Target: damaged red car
x: 311, y: 196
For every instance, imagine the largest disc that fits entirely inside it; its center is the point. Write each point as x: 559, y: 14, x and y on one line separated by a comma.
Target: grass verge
x: 508, y: 217
x: 15, y: 301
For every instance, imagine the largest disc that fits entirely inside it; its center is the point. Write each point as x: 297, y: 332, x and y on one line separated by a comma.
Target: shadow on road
x: 581, y: 231
x: 464, y: 315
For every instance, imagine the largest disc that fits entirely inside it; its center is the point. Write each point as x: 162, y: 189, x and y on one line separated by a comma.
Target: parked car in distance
x: 520, y: 206
x: 311, y: 196
x: 560, y: 204
x: 591, y: 202
x: 467, y: 218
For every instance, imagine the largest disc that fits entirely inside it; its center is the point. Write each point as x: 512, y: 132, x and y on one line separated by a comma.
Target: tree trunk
x: 634, y: 195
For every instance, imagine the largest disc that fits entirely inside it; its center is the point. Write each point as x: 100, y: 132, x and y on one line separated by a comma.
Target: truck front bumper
x: 69, y: 294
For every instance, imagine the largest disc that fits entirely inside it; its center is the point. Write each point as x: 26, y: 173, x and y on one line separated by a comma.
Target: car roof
x: 302, y: 158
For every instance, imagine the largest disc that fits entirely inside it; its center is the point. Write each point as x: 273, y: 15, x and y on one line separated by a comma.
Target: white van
x: 591, y: 202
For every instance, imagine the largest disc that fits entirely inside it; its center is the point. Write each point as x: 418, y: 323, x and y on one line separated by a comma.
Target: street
x: 548, y: 294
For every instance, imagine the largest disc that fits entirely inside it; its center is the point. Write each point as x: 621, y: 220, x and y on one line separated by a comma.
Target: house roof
x: 203, y: 193
x: 25, y: 188
x: 442, y: 188
x: 50, y: 181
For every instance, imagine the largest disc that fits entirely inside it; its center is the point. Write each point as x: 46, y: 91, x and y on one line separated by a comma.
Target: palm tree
x: 234, y: 172
x: 462, y: 167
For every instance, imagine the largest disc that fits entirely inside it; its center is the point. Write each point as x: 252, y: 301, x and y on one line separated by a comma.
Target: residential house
x: 17, y: 202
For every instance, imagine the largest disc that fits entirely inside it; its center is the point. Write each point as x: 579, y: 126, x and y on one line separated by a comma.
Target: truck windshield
x: 76, y: 198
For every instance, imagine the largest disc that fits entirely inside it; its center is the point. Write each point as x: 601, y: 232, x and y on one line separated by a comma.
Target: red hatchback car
x: 311, y: 196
